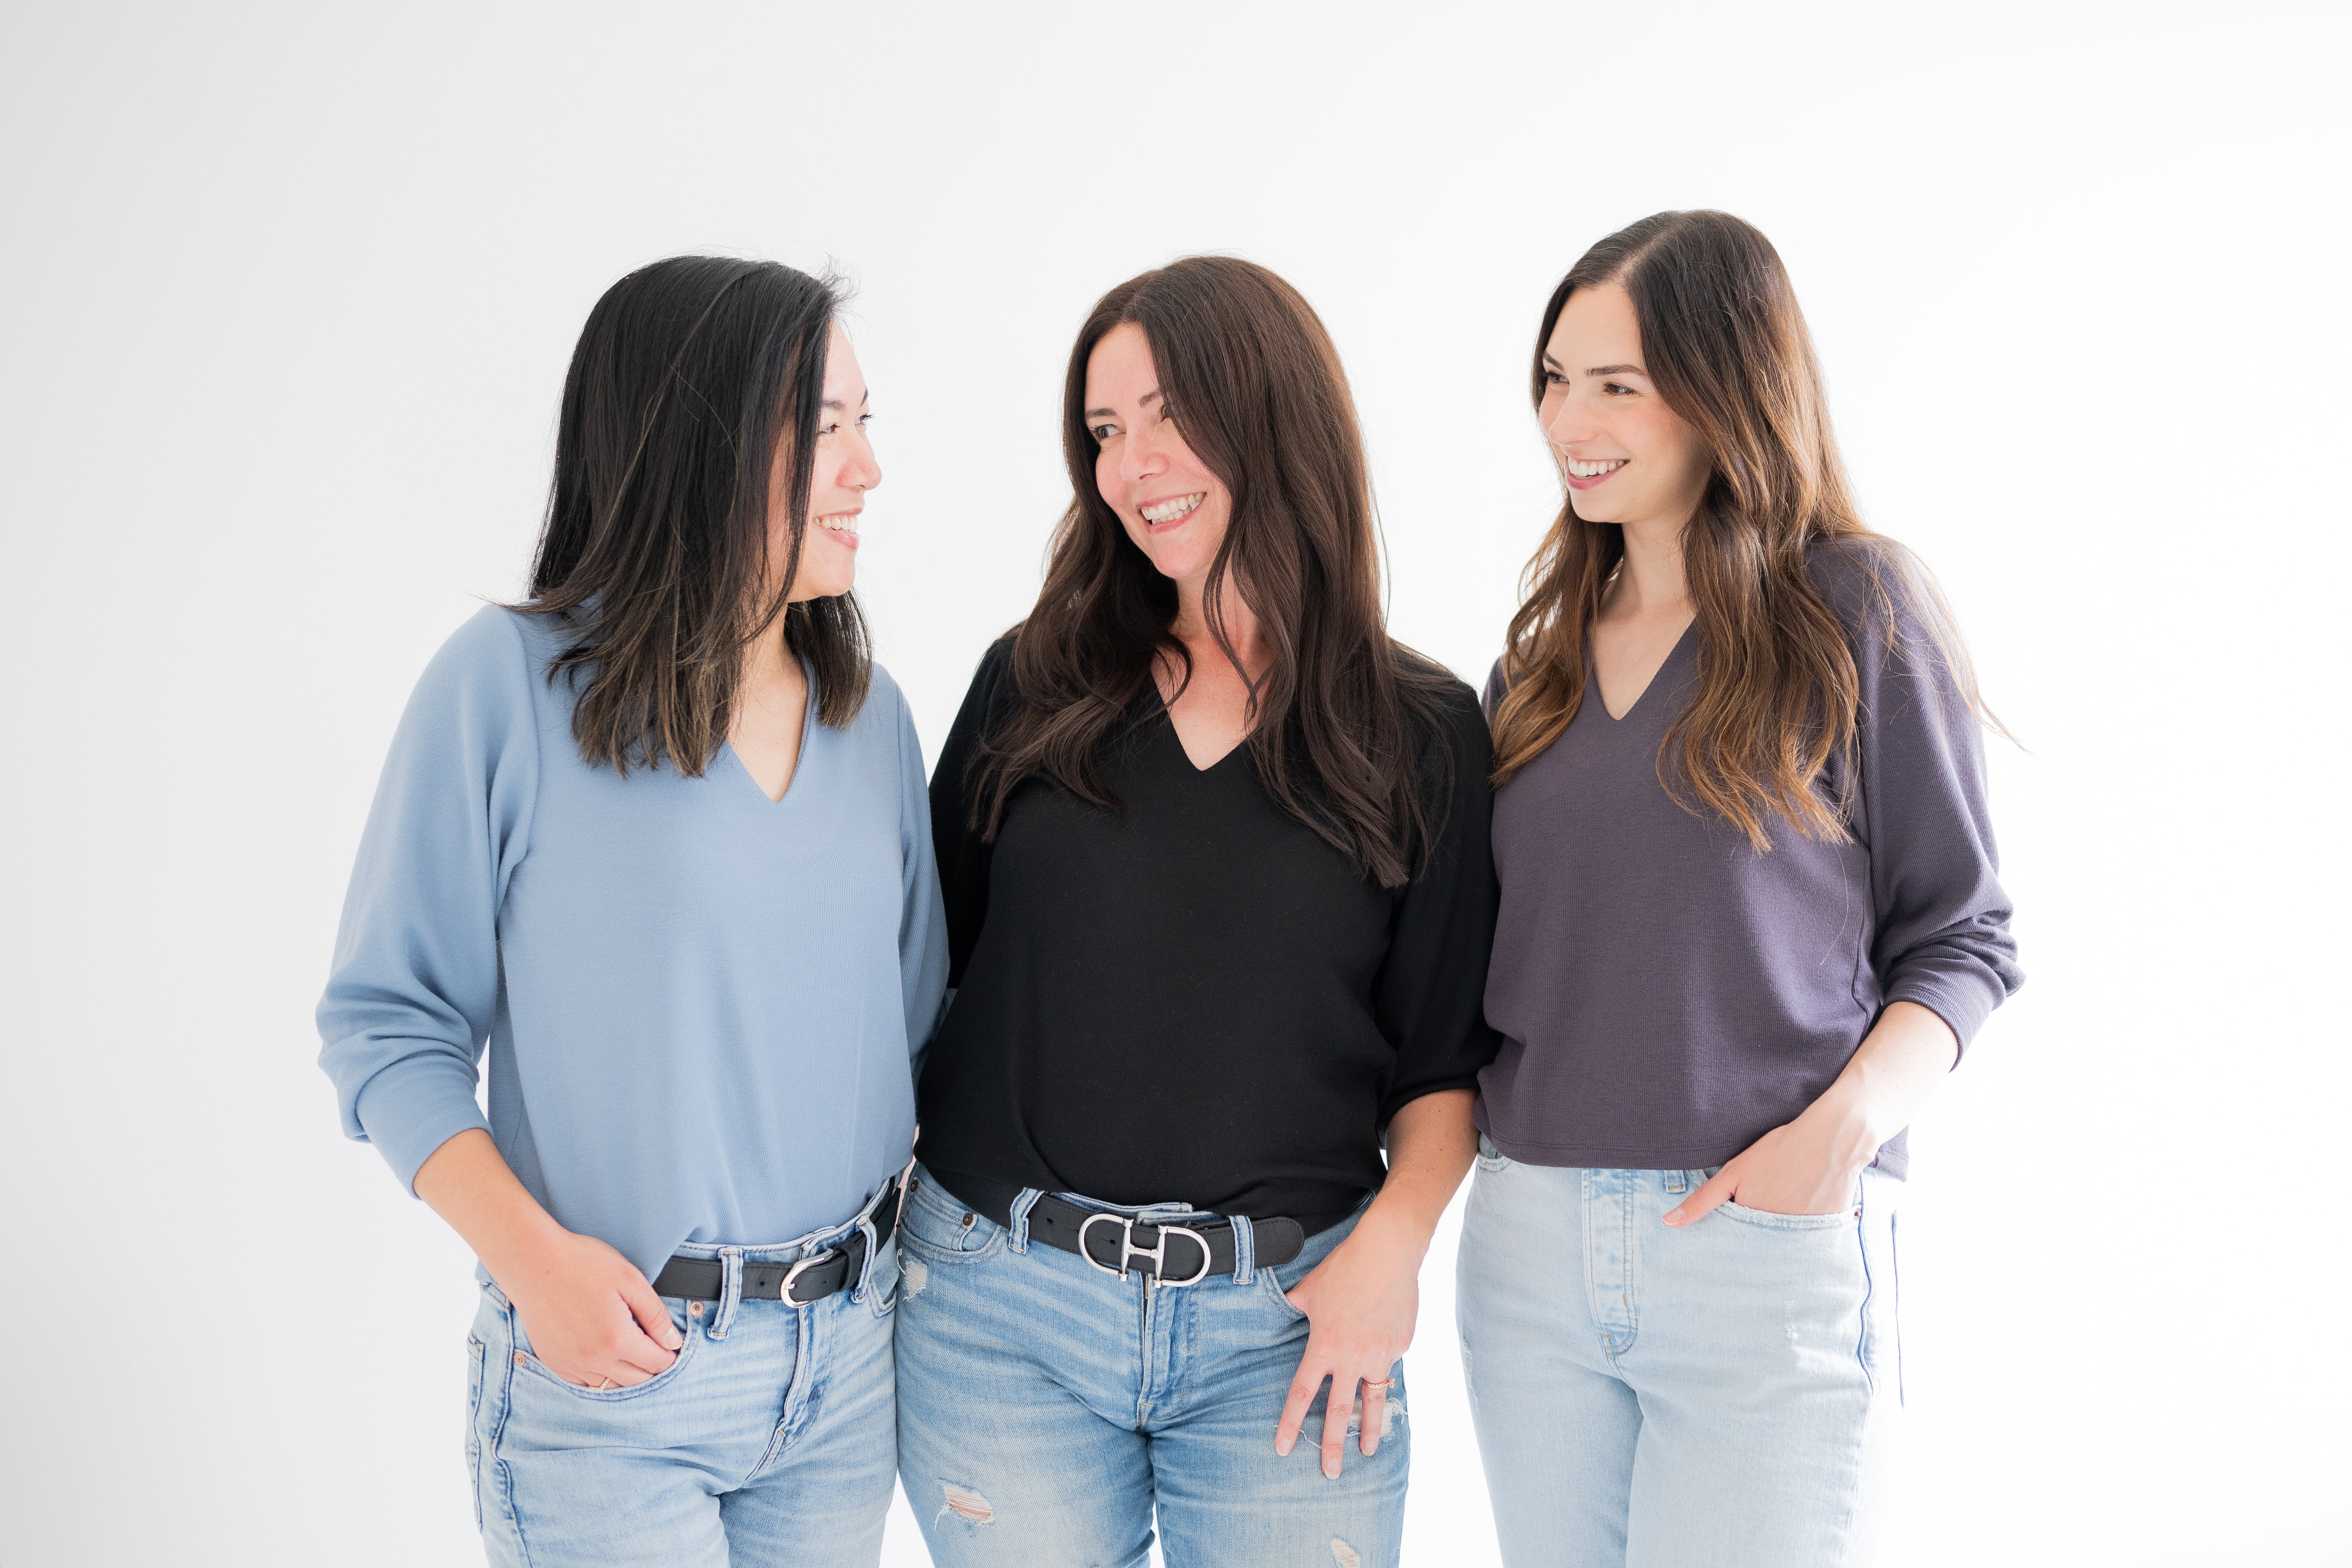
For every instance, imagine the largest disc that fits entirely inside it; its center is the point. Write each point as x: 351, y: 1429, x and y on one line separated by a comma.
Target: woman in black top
x: 1220, y: 898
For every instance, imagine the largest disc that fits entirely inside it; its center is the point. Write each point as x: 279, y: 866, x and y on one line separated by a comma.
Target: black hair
x: 687, y: 376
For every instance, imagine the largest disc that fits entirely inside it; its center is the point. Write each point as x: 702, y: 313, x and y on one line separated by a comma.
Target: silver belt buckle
x: 1128, y: 1250
x: 784, y: 1291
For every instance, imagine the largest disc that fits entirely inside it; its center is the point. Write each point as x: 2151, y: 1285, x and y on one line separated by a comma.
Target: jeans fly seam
x: 1146, y: 1323
x: 1632, y: 1316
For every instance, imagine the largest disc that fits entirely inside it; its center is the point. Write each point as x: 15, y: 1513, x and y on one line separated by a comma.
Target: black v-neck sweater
x: 1195, y: 998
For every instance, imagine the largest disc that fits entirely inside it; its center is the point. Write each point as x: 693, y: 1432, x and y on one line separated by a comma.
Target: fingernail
x: 1331, y: 1472
x: 1281, y: 1446
x: 1675, y: 1217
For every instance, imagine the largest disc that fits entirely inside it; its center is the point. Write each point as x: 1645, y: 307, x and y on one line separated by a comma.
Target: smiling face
x: 1628, y: 459
x: 1173, y: 507
x: 846, y: 471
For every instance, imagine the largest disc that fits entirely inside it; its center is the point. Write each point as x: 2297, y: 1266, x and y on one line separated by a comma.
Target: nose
x: 1570, y: 423
x: 1140, y: 456
x: 863, y: 471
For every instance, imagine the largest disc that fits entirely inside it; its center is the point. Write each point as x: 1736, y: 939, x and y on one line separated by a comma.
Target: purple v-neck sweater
x: 1665, y: 994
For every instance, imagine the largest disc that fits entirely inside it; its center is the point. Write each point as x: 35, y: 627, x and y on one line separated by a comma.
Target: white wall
x: 289, y: 290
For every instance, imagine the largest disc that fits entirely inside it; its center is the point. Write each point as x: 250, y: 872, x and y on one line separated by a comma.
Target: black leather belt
x: 810, y: 1279
x: 1174, y: 1253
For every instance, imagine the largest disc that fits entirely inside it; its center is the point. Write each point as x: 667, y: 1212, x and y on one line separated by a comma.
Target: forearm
x: 1892, y: 1075
x: 467, y: 1182
x: 1430, y: 1143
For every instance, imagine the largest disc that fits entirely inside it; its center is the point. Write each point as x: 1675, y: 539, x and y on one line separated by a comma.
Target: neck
x: 766, y: 660
x: 1234, y: 614
x: 1652, y: 577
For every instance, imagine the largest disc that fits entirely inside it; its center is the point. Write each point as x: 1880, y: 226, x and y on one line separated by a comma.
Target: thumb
x: 649, y: 1312
x: 1700, y: 1203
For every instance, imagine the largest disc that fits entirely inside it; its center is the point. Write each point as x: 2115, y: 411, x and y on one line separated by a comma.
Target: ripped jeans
x: 1047, y: 1409
x: 1721, y: 1395
x: 768, y: 1439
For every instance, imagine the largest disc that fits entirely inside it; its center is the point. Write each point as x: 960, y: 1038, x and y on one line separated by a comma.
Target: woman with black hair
x: 1218, y: 897
x: 658, y: 835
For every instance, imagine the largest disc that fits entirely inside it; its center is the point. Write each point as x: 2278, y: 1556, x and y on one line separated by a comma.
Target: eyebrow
x: 1143, y: 402
x: 1603, y: 369
x: 863, y: 399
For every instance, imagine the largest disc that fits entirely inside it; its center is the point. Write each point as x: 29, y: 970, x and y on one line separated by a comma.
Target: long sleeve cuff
x: 1963, y: 996
x: 414, y: 1106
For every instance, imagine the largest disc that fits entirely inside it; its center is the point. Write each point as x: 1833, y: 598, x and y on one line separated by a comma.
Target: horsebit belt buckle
x: 1157, y: 1254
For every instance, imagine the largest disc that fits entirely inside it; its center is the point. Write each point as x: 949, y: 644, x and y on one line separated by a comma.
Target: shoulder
x: 496, y: 651
x: 1449, y: 710
x: 1497, y: 686
x: 994, y: 685
x: 884, y: 696
x: 1878, y: 589
x: 996, y: 663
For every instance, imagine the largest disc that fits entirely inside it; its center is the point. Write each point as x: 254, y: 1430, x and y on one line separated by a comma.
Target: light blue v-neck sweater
x: 702, y: 1008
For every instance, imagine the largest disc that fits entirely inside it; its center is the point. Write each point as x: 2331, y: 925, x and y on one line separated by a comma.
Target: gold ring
x: 608, y: 1383
x: 1380, y: 1383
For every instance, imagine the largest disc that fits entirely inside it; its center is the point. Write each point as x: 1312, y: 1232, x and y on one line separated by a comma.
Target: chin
x: 824, y: 585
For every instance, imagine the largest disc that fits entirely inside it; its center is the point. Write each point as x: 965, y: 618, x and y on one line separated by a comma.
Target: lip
x: 1575, y: 483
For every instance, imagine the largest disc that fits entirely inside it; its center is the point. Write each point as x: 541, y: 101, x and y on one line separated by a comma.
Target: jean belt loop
x: 1677, y: 1182
x: 1244, y: 1249
x: 1020, y: 1217
x: 864, y: 1265
x: 731, y: 1291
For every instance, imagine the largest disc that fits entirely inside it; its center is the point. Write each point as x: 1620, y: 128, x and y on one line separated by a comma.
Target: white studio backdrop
x: 288, y: 295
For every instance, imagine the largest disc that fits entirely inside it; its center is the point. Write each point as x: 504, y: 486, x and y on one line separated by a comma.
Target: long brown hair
x: 1254, y: 384
x: 688, y: 374
x: 1725, y: 342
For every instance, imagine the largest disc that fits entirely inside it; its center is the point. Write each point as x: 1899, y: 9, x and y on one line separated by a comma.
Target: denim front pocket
x: 936, y: 1225
x: 542, y: 1374
x: 1273, y: 1293
x: 1837, y: 1219
x: 1490, y: 1159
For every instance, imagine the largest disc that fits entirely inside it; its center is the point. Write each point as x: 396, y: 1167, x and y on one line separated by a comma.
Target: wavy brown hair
x: 1344, y: 722
x: 688, y: 374
x: 1726, y: 344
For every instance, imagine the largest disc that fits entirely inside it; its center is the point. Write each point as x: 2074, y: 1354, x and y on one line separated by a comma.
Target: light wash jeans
x: 1652, y: 1398
x: 770, y: 1440
x: 1046, y: 1409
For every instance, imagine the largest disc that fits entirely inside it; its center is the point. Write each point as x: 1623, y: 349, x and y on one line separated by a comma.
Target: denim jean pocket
x: 1274, y: 1294
x: 1490, y: 1159
x: 1836, y: 1219
x: 543, y: 1374
x: 935, y: 1226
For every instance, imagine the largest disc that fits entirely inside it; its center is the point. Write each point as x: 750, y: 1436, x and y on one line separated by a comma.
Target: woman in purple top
x: 1750, y: 918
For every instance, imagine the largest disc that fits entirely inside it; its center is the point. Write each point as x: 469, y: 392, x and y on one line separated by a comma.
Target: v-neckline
x: 1167, y: 722
x: 799, y: 756
x: 1601, y: 700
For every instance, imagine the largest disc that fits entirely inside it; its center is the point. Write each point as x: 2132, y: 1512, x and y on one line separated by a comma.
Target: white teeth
x: 1167, y: 511
x: 845, y: 522
x: 1584, y: 470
